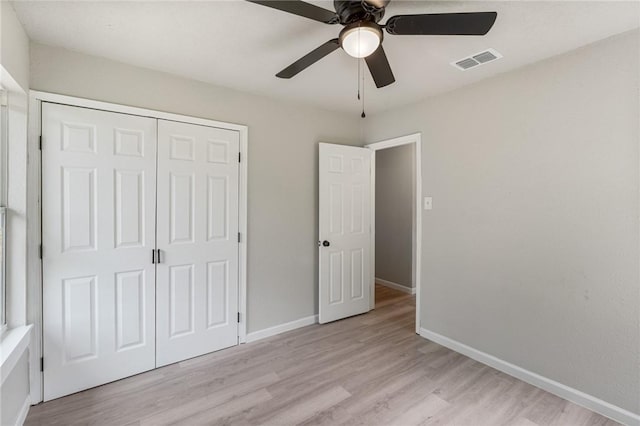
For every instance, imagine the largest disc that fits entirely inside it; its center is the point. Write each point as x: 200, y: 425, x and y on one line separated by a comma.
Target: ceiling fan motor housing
x: 351, y: 11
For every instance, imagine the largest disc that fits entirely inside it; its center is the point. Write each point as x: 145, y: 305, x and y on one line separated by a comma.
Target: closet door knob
x: 326, y: 243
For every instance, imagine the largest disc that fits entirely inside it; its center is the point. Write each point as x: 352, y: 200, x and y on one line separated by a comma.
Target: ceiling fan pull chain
x: 358, y: 79
x: 363, y: 115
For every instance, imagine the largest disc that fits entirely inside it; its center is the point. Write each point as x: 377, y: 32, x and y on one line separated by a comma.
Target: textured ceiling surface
x: 242, y: 45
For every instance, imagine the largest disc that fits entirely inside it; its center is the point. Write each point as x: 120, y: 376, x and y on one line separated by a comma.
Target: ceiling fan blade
x: 478, y: 23
x: 301, y: 8
x: 309, y: 59
x: 379, y: 67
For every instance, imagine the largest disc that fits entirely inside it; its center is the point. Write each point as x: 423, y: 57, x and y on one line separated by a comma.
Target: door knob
x: 326, y: 243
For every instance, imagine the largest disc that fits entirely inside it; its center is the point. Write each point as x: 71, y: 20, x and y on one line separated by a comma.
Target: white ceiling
x: 243, y: 45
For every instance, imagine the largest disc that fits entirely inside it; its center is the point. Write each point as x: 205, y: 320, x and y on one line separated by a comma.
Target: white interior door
x: 345, y: 231
x: 197, y: 281
x: 98, y: 195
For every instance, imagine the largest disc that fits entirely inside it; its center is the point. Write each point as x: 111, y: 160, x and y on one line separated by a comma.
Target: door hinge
x: 40, y: 251
x: 41, y: 363
x: 153, y: 256
x: 40, y: 143
x: 238, y: 237
x: 239, y: 157
x: 238, y: 317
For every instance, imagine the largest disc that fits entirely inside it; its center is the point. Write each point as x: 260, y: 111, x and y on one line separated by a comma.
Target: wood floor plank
x: 521, y: 421
x: 423, y: 411
x: 223, y: 413
x: 368, y: 370
x: 211, y: 400
x: 307, y: 408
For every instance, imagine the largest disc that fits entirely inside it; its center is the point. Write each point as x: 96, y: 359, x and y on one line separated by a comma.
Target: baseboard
x: 282, y: 328
x: 22, y: 415
x: 396, y: 286
x: 563, y: 391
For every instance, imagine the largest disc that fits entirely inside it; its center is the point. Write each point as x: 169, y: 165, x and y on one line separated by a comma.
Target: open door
x: 344, y: 231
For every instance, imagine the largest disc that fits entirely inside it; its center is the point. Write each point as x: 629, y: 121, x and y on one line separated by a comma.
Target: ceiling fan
x: 362, y: 34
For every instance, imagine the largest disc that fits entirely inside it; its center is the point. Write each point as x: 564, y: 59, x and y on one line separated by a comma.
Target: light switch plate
x: 428, y: 203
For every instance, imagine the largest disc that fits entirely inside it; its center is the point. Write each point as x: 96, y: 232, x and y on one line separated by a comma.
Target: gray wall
x: 14, y: 45
x: 531, y: 252
x: 283, y: 150
x: 394, y: 213
x: 15, y: 391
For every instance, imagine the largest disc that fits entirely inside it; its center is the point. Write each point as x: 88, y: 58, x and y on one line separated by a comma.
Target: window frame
x: 4, y: 149
x: 3, y: 269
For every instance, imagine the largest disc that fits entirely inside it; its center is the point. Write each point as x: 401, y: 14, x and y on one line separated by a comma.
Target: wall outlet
x: 428, y: 203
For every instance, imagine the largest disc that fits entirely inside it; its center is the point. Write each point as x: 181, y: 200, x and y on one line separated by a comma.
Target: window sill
x: 13, y: 344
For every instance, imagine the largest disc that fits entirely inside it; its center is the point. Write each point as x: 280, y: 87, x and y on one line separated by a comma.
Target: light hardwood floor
x: 367, y: 370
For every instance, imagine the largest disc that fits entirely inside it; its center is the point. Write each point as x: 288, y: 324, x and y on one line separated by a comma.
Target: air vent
x: 477, y: 59
x: 485, y: 57
x: 465, y: 64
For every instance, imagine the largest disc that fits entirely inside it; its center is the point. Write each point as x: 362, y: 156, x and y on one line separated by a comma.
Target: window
x: 3, y: 202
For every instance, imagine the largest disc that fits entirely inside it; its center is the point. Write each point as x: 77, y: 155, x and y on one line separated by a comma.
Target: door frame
x: 34, y: 213
x: 416, y: 269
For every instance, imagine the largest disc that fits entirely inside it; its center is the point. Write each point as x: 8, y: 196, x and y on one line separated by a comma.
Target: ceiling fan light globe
x: 360, y: 41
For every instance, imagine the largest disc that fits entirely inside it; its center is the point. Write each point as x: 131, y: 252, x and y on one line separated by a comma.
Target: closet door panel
x: 197, y: 277
x: 98, y: 200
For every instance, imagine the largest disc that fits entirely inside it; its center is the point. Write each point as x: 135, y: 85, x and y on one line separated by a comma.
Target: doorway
x: 346, y: 234
x: 397, y: 218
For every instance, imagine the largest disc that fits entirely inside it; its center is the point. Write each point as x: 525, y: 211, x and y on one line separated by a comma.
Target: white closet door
x: 98, y: 195
x: 197, y: 281
x: 345, y: 231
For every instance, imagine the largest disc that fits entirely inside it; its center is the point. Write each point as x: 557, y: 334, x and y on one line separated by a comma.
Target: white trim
x: 391, y: 143
x: 34, y: 231
x: 282, y: 328
x: 416, y: 266
x: 22, y: 415
x: 34, y: 214
x: 125, y: 109
x: 396, y: 286
x: 243, y: 228
x: 563, y: 391
x: 14, y: 342
x: 372, y: 263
